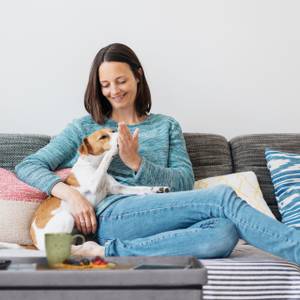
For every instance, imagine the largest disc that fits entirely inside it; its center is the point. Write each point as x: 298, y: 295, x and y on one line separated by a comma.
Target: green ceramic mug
x: 58, y: 246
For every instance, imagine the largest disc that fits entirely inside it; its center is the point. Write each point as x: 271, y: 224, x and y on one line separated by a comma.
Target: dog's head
x: 100, y: 141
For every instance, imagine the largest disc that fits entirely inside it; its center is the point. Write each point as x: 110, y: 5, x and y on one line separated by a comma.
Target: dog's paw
x: 162, y: 189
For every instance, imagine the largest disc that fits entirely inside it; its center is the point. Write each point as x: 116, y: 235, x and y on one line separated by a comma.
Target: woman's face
x: 118, y: 84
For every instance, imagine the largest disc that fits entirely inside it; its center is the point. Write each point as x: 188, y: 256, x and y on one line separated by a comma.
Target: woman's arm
x: 37, y: 169
x: 179, y: 173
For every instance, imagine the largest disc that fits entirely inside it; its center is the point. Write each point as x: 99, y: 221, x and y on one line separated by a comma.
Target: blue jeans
x: 204, y: 223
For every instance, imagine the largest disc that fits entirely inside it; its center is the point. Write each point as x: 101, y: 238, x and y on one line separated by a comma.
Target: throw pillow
x: 18, y: 202
x: 245, y: 185
x: 285, y: 174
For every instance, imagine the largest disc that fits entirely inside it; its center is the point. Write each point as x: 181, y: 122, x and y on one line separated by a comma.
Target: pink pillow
x: 12, y: 188
x: 18, y: 202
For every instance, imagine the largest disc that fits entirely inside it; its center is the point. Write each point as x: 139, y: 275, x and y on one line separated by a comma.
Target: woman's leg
x: 139, y: 225
x: 211, y: 238
x: 142, y: 216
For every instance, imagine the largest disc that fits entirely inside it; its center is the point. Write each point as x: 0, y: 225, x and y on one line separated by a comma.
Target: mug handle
x: 75, y: 236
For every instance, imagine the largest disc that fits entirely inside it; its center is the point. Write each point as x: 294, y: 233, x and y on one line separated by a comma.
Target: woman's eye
x: 121, y: 82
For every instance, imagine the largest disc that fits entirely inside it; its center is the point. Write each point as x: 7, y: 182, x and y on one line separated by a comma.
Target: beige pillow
x: 15, y: 221
x: 245, y: 185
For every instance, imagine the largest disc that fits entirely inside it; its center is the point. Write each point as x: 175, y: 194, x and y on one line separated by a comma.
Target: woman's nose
x: 114, y: 89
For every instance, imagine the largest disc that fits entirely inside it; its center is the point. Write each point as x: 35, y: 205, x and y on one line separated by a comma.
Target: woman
x: 205, y: 223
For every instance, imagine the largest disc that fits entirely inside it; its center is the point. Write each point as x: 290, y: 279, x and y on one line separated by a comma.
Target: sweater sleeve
x: 178, y: 175
x: 37, y: 169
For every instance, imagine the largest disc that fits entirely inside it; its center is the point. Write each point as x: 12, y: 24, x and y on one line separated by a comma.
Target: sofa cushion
x: 245, y: 185
x: 14, y: 147
x: 248, y: 155
x: 209, y: 154
x: 18, y: 202
x: 285, y: 173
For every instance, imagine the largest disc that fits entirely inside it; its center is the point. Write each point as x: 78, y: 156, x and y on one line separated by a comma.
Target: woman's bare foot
x: 88, y: 249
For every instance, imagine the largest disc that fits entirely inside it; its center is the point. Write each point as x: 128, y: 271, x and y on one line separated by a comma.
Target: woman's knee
x: 227, y: 238
x: 223, y: 194
x: 224, y: 189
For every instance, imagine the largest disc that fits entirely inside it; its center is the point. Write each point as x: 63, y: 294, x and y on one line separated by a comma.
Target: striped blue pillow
x: 285, y: 173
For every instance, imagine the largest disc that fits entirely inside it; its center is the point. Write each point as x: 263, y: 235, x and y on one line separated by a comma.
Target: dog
x: 89, y: 176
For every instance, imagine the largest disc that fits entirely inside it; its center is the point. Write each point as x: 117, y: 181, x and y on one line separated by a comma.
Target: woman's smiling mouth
x: 119, y: 98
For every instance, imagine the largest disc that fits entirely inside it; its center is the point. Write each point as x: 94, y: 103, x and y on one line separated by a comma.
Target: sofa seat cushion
x: 250, y: 273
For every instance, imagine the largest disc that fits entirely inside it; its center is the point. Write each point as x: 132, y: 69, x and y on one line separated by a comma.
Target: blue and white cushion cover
x: 285, y: 173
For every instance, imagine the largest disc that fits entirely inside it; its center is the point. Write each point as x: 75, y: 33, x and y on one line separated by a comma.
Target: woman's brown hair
x: 94, y: 101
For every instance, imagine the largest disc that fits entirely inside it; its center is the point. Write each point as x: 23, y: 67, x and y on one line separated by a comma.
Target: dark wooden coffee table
x: 164, y: 282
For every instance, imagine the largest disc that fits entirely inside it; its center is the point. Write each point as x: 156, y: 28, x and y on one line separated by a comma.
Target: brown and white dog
x: 89, y: 176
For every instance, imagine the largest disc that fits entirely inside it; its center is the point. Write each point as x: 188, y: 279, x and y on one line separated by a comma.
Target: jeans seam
x: 153, y: 210
x: 246, y: 224
x: 155, y: 240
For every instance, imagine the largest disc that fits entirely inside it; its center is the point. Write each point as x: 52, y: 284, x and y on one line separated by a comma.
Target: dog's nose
x: 113, y: 131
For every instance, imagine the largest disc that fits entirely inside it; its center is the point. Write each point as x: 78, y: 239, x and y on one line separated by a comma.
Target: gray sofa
x: 213, y: 155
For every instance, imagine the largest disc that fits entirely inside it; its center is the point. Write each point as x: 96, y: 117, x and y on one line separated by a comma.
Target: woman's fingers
x: 77, y: 223
x: 87, y: 222
x: 94, y: 222
x: 83, y: 224
x: 84, y: 215
x: 135, y: 135
x: 125, y: 136
x: 124, y: 132
x: 90, y: 221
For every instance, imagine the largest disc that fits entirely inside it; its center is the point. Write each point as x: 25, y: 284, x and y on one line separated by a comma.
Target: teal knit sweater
x: 165, y: 161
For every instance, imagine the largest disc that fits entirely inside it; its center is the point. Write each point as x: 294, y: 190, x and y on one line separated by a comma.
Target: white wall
x: 229, y: 67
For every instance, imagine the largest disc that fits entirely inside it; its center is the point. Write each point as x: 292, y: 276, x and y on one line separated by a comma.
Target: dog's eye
x: 103, y: 137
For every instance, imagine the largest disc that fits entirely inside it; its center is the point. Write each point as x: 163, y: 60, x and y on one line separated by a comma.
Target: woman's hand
x: 128, y: 147
x: 81, y: 209
x: 83, y: 213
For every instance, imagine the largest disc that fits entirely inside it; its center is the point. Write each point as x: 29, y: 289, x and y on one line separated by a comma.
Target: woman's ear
x: 140, y: 74
x: 140, y: 70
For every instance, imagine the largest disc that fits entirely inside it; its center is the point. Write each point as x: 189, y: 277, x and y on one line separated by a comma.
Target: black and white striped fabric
x: 251, y: 278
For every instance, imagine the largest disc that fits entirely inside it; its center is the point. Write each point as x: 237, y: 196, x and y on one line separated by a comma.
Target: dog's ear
x: 85, y: 148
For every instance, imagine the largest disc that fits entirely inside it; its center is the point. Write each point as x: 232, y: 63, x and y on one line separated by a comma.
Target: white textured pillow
x: 245, y: 185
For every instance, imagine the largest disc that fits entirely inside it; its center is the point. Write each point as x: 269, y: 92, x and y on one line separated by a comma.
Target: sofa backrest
x: 14, y: 147
x: 248, y: 155
x: 209, y: 154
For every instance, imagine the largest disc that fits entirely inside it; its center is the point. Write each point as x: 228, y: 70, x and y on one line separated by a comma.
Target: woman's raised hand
x: 128, y: 147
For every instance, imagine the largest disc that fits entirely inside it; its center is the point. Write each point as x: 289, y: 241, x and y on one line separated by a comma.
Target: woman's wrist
x: 63, y: 191
x: 136, y: 164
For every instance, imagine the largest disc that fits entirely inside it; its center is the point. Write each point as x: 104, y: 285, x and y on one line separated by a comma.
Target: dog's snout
x: 113, y: 131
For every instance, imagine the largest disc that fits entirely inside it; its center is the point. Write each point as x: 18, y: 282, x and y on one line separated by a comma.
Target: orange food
x: 91, y: 266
